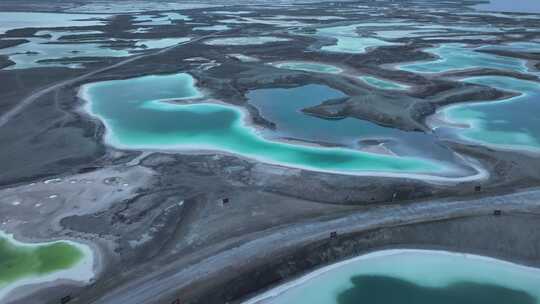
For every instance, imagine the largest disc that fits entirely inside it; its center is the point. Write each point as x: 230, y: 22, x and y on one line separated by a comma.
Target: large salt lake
x: 511, y: 123
x: 138, y: 114
x: 412, y: 276
x: 24, y: 264
x: 16, y: 20
x: 283, y: 107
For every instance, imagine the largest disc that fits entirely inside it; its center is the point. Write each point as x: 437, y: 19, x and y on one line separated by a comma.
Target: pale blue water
x: 123, y: 7
x: 413, y: 277
x: 508, y: 124
x: 521, y: 6
x: 530, y: 47
x: 56, y: 35
x: 15, y: 20
x: 406, y: 33
x: 257, y: 40
x: 513, y: 123
x: 355, y: 45
x: 459, y: 57
x: 462, y: 27
x: 163, y: 19
x: 383, y: 84
x: 458, y: 39
x: 27, y: 55
x: 211, y: 28
x: 137, y: 117
x: 399, y: 30
x: 160, y: 43
x: 309, y: 67
x: 349, y: 41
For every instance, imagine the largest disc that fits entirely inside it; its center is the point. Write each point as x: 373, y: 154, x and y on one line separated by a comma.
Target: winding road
x: 6, y: 117
x: 164, y: 283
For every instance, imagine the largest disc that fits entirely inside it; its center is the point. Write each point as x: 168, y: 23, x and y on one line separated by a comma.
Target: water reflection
x: 523, y: 6
x: 388, y: 290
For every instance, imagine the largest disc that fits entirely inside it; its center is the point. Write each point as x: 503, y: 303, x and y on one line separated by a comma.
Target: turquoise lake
x: 283, y: 107
x: 138, y: 116
x: 413, y: 277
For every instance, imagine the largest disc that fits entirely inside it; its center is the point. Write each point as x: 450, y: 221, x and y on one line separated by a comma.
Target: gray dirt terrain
x: 208, y: 227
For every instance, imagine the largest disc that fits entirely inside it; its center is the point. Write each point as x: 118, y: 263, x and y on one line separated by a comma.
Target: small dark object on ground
x: 225, y: 200
x: 65, y: 299
x: 333, y: 235
x: 478, y: 188
x: 497, y: 212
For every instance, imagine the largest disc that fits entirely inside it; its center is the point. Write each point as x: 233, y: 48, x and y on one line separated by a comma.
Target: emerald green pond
x: 25, y: 263
x: 137, y: 116
x: 412, y: 277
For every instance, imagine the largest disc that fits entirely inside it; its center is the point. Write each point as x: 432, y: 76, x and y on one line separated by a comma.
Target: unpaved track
x: 6, y: 117
x: 163, y: 283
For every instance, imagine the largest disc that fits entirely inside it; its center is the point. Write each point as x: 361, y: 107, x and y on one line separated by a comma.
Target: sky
x: 525, y: 6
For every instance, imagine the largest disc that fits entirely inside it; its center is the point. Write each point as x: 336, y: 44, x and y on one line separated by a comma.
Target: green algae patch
x: 17, y: 262
x: 23, y: 264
